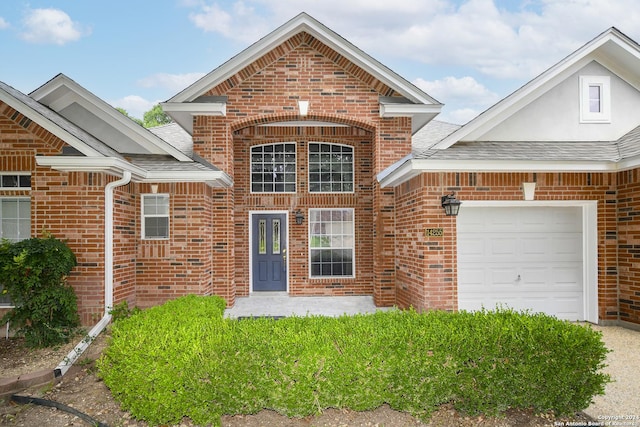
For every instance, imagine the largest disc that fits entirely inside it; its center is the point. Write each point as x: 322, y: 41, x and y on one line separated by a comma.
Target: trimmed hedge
x: 183, y: 359
x: 34, y: 274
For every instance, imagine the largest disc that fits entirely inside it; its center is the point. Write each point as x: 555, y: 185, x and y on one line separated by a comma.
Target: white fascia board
x: 114, y: 166
x: 303, y: 23
x: 111, y: 165
x: 48, y: 125
x: 76, y: 93
x: 196, y: 108
x: 408, y: 110
x: 212, y: 178
x: 183, y: 112
x: 414, y: 167
x: 629, y: 163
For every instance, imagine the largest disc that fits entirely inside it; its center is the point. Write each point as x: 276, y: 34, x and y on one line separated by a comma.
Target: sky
x: 467, y: 54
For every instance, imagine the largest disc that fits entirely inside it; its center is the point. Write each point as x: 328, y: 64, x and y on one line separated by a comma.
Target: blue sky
x: 468, y: 54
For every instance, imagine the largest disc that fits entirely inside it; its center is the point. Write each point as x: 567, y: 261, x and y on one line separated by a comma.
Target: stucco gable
x: 611, y: 50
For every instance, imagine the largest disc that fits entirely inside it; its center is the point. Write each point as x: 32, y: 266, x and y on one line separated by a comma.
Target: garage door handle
x: 519, y: 278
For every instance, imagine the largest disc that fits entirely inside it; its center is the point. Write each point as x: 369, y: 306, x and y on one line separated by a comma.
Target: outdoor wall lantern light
x: 299, y: 217
x: 450, y: 204
x: 303, y: 107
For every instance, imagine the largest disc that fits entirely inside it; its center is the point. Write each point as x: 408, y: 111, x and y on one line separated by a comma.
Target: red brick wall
x: 181, y: 264
x: 338, y: 91
x: 629, y: 245
x: 298, y: 246
x: 68, y: 205
x: 427, y: 275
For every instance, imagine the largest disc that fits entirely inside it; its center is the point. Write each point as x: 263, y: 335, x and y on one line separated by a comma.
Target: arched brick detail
x: 285, y: 117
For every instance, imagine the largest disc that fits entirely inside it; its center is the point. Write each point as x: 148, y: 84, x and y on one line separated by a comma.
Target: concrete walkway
x: 281, y: 304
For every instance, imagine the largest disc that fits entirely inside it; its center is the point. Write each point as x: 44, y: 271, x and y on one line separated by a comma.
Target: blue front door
x: 269, y: 252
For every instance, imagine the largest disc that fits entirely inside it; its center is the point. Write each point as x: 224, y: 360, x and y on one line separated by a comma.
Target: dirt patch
x: 84, y: 391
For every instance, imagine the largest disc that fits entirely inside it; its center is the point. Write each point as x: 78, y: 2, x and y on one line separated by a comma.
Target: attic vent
x: 25, y: 122
x: 15, y: 115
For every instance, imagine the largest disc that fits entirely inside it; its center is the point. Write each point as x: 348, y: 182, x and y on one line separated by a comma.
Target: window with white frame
x: 15, y: 225
x: 15, y: 181
x: 273, y: 168
x: 595, y: 99
x: 330, y: 168
x: 155, y: 216
x: 332, y: 243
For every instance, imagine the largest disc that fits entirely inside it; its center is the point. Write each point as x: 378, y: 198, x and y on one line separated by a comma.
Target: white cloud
x: 134, y: 105
x: 508, y: 40
x: 51, y: 26
x: 171, y: 82
x: 464, y: 98
x: 238, y: 23
x: 3, y: 24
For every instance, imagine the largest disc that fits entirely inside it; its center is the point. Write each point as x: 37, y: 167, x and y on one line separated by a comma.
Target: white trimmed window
x: 273, y: 168
x: 330, y: 168
x: 15, y: 218
x: 15, y: 225
x: 595, y: 99
x: 332, y: 243
x: 155, y: 216
x: 15, y: 181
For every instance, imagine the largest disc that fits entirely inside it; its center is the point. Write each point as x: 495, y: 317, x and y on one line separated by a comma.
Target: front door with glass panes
x: 269, y: 252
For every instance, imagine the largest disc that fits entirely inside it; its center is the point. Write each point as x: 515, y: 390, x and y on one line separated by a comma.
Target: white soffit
x: 62, y: 92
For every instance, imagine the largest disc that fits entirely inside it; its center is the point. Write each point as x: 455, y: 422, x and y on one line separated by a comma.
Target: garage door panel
x: 521, y: 257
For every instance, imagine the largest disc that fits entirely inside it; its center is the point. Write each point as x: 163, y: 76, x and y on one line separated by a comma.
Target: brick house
x: 302, y: 165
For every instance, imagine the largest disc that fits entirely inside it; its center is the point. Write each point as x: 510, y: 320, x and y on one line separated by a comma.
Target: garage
x: 523, y: 257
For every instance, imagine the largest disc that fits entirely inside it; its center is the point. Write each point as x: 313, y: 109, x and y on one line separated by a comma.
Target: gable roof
x: 90, y: 154
x: 79, y: 105
x: 417, y: 103
x: 53, y: 122
x: 612, y: 48
x: 463, y: 150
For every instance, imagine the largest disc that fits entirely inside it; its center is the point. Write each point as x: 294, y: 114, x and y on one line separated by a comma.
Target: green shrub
x: 184, y: 359
x: 33, y: 273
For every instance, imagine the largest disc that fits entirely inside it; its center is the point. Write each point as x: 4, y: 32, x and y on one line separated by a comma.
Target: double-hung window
x: 332, y: 246
x: 155, y: 216
x: 330, y: 168
x: 273, y: 168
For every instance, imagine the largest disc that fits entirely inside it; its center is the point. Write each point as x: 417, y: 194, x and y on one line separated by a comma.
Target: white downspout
x: 74, y: 354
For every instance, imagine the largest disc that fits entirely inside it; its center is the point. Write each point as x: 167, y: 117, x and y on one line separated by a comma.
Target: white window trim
x: 353, y: 262
x: 18, y: 174
x: 20, y: 198
x: 604, y: 116
x: 353, y: 169
x: 143, y: 216
x: 295, y: 182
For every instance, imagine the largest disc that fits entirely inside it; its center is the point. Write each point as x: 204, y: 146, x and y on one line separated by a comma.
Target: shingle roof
x: 173, y: 134
x: 430, y: 134
x: 531, y: 150
x: 604, y: 151
x: 60, y: 121
x: 160, y: 163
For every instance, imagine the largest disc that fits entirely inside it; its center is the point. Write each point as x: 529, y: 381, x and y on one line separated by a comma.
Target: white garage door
x: 523, y: 258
